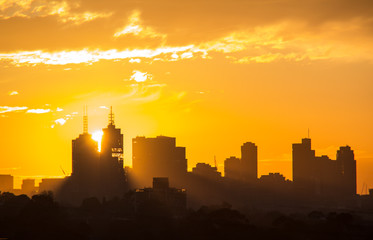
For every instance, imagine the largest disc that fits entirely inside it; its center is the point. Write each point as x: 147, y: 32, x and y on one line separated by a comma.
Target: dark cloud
x: 185, y: 22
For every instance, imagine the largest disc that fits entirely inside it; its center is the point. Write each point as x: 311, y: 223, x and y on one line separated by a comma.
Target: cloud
x: 138, y: 76
x: 43, y: 8
x: 135, y: 60
x: 268, y: 38
x: 135, y: 28
x: 12, y: 93
x: 60, y: 121
x: 90, y: 56
x: 38, y: 111
x: 5, y: 109
x: 63, y: 120
x: 59, y: 109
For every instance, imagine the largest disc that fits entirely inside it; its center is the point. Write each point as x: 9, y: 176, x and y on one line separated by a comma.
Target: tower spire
x: 111, y: 116
x: 85, y: 120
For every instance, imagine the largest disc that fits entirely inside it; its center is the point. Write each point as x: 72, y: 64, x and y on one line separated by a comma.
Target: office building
x: 249, y: 162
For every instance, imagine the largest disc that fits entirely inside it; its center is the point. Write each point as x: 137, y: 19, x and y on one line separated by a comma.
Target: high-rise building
x: 326, y: 175
x: 347, y: 166
x: 303, y: 164
x: 111, y: 169
x: 249, y: 162
x: 321, y: 175
x: 232, y: 168
x: 85, y: 160
x: 158, y: 157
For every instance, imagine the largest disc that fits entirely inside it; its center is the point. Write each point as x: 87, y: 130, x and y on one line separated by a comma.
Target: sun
x: 97, y: 136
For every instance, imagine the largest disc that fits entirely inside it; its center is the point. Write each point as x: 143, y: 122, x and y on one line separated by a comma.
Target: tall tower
x: 303, y: 164
x: 111, y: 159
x: 85, y: 157
x: 347, y: 166
x: 249, y: 162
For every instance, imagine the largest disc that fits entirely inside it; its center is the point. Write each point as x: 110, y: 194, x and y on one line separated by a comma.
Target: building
x: 85, y: 165
x: 158, y: 157
x: 303, y: 164
x: 206, y: 171
x: 249, y: 162
x: 161, y: 199
x: 51, y: 184
x: 272, y: 178
x: 111, y: 171
x: 347, y: 166
x: 6, y: 183
x: 327, y: 177
x: 85, y: 159
x: 232, y: 168
x: 322, y: 176
x: 28, y: 187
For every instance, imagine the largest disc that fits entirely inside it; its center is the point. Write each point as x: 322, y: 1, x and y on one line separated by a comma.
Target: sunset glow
x: 213, y: 74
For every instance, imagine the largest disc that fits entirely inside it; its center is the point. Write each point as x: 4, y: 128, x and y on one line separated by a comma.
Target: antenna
x: 111, y: 116
x: 215, y: 161
x: 85, y: 120
x: 62, y: 170
x: 308, y: 132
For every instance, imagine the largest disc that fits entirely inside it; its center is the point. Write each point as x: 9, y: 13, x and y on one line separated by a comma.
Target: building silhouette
x: 158, y: 157
x: 85, y: 164
x: 319, y: 175
x: 95, y: 174
x: 232, y: 168
x: 160, y: 197
x: 272, y: 178
x: 249, y: 162
x: 6, y: 183
x: 85, y: 160
x: 303, y: 164
x: 111, y: 171
x: 347, y: 167
x: 205, y: 170
x: 28, y: 187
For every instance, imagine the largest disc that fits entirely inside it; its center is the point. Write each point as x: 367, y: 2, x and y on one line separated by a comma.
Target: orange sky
x: 214, y: 74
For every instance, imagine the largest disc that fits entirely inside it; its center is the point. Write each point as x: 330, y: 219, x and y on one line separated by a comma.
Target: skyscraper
x: 158, y: 157
x: 347, y: 166
x: 85, y: 159
x: 303, y: 164
x: 249, y: 162
x: 112, y: 177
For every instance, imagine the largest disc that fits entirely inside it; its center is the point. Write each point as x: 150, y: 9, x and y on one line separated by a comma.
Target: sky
x: 213, y: 74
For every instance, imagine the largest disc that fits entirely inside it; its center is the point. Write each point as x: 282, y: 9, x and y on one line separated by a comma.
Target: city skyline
x: 214, y: 75
x: 91, y: 155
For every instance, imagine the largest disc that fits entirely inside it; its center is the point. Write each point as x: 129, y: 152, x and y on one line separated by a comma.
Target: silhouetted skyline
x: 98, y: 172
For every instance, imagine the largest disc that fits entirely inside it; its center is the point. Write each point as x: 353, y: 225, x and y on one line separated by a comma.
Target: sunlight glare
x: 97, y: 136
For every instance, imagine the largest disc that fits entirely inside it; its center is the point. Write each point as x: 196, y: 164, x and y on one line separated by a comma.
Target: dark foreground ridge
x: 42, y: 218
